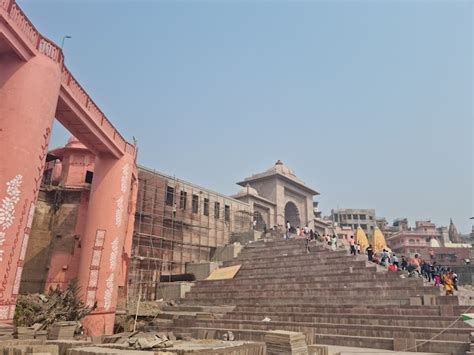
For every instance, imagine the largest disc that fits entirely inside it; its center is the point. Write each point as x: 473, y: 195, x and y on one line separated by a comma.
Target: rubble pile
x: 57, y: 305
x: 141, y: 340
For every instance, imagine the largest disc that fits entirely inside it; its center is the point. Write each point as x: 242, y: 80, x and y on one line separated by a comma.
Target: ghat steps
x: 332, y: 297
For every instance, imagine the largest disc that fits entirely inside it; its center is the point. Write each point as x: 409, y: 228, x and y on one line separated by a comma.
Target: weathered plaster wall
x: 52, y: 253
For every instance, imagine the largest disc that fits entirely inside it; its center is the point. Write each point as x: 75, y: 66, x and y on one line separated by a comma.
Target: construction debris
x: 155, y: 342
x: 63, y: 330
x: 228, y: 336
x: 58, y: 305
x: 281, y: 342
x: 142, y: 341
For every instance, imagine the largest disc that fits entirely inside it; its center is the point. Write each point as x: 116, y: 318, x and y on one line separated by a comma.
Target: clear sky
x: 369, y: 102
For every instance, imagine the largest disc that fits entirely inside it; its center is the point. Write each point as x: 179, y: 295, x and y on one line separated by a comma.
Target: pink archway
x: 35, y: 88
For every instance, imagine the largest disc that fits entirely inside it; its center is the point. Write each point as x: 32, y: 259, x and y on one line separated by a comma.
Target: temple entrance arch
x: 292, y: 214
x: 257, y: 216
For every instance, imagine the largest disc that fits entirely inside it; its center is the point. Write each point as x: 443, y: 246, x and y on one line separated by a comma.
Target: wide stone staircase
x: 330, y: 296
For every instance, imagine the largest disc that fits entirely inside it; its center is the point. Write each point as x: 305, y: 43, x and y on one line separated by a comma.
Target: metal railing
x: 53, y: 51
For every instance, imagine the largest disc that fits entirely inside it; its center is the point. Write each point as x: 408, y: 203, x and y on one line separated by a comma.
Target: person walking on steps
x: 370, y: 252
x: 352, y: 245
x: 334, y: 242
x: 395, y: 261
x: 288, y: 227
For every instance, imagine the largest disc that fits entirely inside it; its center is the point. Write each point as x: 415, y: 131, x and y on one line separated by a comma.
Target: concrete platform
x: 347, y: 350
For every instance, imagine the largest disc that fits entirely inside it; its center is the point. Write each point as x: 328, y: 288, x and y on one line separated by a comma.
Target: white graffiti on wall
x: 110, y: 280
x: 123, y: 188
x: 7, y: 208
x: 4, y: 312
x: 124, y: 178
x: 2, y: 241
x: 119, y: 211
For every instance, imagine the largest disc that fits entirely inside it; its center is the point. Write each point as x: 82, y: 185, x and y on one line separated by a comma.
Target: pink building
x: 344, y: 233
x: 409, y: 242
x: 53, y: 254
x: 425, y: 237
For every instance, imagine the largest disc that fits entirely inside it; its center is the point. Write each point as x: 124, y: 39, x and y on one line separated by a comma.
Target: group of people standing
x: 416, y: 266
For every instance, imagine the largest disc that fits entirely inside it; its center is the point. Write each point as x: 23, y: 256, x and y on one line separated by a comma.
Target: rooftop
x: 278, y: 170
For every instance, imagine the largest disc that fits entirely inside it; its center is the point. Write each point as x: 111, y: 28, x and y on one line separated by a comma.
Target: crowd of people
x: 415, y: 266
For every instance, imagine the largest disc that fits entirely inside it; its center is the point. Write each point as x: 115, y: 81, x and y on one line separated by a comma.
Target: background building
x: 177, y: 222
x: 426, y: 236
x: 355, y: 217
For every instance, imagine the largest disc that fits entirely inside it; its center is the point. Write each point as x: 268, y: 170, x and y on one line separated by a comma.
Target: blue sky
x: 370, y: 103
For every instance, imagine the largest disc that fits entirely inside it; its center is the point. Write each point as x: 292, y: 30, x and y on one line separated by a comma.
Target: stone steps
x: 343, y: 287
x: 290, y: 250
x: 293, y: 253
x: 210, y: 287
x: 262, y: 272
x: 382, y: 331
x: 361, y: 275
x: 369, y: 310
x: 322, y: 292
x: 352, y: 319
x: 332, y: 297
x: 303, y: 274
x: 393, y: 300
x: 443, y: 346
x: 288, y: 262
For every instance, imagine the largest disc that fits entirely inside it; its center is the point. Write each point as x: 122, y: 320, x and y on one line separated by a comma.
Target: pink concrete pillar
x: 103, y: 241
x: 28, y: 98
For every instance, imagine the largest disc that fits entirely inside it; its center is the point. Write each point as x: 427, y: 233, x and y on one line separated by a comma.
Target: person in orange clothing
x: 448, y: 284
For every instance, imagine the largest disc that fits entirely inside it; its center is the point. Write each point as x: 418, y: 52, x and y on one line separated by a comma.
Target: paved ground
x: 346, y: 350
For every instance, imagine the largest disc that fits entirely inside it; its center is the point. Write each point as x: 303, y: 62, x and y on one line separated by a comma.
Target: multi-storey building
x: 423, y: 238
x: 355, y: 217
x: 177, y: 222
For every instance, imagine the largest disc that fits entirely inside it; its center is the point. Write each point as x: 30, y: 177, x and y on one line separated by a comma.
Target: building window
x: 206, y: 207
x: 47, y: 176
x: 89, y: 176
x: 362, y: 217
x: 169, y: 195
x: 336, y: 218
x: 364, y: 226
x: 183, y: 199
x: 195, y: 203
x: 356, y: 216
x: 217, y: 207
x: 412, y: 241
x: 371, y: 218
x: 227, y: 213
x: 348, y: 216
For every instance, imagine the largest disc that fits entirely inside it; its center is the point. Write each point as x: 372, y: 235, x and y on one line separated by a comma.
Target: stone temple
x: 277, y: 195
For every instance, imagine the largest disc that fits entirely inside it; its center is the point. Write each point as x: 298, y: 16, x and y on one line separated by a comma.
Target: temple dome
x: 281, y: 168
x: 248, y: 190
x: 73, y: 142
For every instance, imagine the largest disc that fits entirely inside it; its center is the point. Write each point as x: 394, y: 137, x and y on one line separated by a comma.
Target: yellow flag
x: 379, y: 240
x: 361, y: 238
